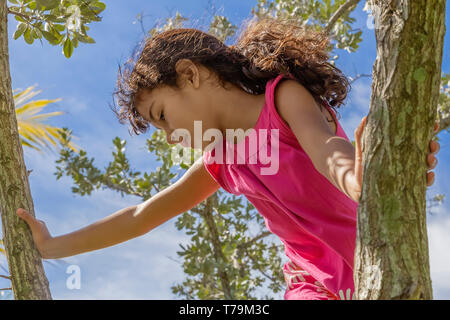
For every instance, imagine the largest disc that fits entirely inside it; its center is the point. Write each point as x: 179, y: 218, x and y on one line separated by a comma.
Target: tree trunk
x: 391, y: 256
x: 28, y: 280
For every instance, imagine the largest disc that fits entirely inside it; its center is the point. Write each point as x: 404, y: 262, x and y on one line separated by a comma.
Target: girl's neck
x: 239, y: 109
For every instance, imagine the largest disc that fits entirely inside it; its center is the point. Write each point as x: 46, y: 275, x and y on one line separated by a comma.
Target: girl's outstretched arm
x: 125, y: 224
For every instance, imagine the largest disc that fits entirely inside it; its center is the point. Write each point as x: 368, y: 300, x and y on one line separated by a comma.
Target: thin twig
x: 21, y: 15
x: 258, y: 266
x: 359, y: 76
x: 339, y: 12
x: 253, y: 240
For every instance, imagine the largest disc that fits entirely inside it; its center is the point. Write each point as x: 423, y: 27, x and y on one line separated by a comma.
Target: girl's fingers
x: 22, y: 213
x: 434, y: 146
x: 361, y: 125
x: 358, y: 134
x: 432, y: 161
x: 430, y: 178
x: 25, y: 215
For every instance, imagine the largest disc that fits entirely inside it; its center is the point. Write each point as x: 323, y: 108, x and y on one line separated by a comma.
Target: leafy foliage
x: 60, y: 22
x: 444, y: 100
x: 171, y: 23
x: 222, y: 28
x: 317, y: 14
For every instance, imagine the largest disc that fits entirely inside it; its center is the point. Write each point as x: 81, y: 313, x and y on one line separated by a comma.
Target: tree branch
x: 258, y: 266
x: 359, y: 75
x: 217, y: 247
x: 339, y: 12
x: 253, y: 240
x: 29, y: 20
x: 107, y: 182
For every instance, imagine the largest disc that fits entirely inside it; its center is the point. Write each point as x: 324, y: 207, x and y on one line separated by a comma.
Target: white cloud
x: 439, y: 243
x: 357, y: 106
x: 359, y: 96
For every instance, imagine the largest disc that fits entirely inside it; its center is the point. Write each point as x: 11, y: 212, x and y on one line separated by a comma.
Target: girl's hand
x: 431, y: 159
x: 41, y: 235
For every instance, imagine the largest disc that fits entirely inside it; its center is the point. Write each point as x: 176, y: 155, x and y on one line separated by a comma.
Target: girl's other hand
x: 41, y: 235
x: 358, y: 159
x: 431, y: 159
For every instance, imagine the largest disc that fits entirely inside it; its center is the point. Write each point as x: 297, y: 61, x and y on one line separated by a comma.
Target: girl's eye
x: 161, y: 117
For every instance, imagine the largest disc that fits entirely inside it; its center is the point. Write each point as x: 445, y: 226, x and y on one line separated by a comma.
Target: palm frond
x: 34, y: 107
x: 33, y: 131
x: 24, y: 95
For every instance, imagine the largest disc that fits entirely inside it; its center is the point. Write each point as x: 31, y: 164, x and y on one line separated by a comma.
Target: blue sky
x: 146, y: 267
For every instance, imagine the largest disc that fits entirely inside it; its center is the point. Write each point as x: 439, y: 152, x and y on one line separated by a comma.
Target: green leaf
x: 59, y: 27
x: 97, y: 7
x: 84, y: 39
x: 57, y: 35
x: 50, y: 37
x: 36, y: 33
x: 49, y: 17
x: 184, y: 166
x: 27, y: 36
x: 47, y: 4
x: 84, y: 29
x: 21, y: 27
x: 20, y: 19
x: 32, y: 5
x: 68, y: 48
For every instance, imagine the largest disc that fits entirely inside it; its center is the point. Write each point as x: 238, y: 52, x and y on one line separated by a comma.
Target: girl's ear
x: 188, y: 72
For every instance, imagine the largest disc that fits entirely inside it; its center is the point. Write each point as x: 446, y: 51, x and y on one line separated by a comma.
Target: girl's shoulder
x: 287, y: 98
x: 275, y: 118
x: 279, y: 90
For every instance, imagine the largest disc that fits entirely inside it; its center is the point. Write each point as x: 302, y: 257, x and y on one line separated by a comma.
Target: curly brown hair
x: 266, y: 48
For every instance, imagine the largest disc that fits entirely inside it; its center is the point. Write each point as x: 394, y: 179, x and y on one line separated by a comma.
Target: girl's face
x: 168, y: 109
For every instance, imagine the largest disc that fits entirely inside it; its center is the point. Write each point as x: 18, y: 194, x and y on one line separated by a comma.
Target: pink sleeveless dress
x: 314, y: 220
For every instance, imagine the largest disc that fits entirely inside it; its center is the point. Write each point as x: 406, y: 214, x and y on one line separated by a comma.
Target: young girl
x: 275, y: 78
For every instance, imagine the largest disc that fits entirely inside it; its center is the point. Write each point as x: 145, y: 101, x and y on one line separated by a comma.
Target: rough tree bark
x: 25, y: 264
x: 391, y: 257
